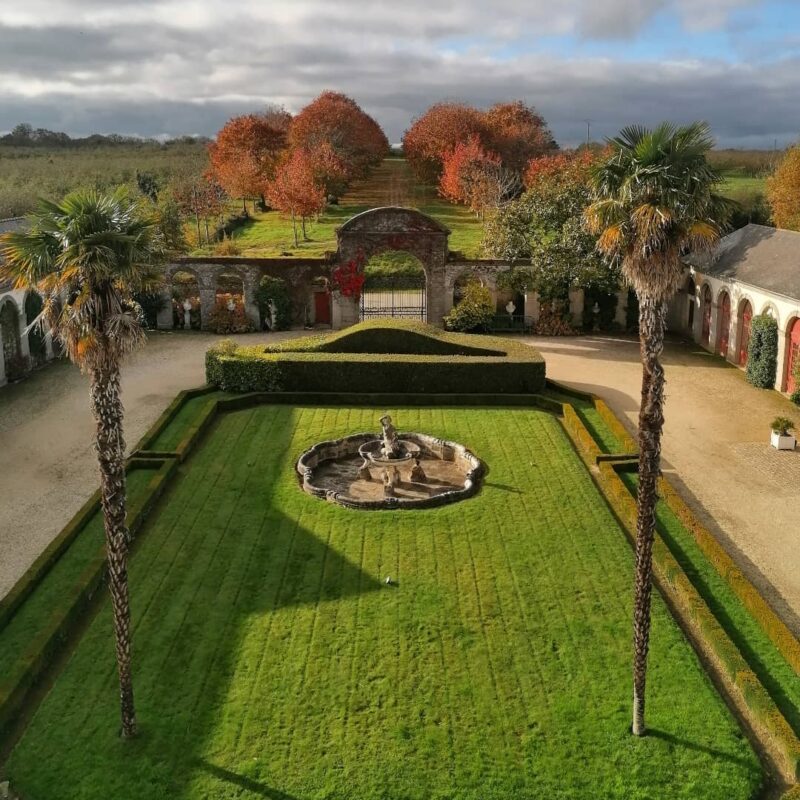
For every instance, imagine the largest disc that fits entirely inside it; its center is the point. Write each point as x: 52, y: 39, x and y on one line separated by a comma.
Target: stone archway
x: 393, y: 228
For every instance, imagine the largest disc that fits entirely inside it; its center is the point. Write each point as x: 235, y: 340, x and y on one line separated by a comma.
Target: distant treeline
x: 42, y: 164
x: 752, y: 163
x: 25, y: 135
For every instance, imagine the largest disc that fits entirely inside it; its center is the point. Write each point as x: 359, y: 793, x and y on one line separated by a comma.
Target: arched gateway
x: 381, y: 230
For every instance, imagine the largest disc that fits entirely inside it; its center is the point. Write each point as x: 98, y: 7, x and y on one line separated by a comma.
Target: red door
x: 706, y: 315
x: 794, y: 357
x: 724, y: 326
x: 744, y: 335
x: 322, y: 308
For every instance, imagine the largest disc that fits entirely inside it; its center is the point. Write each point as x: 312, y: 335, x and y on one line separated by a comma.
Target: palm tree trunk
x: 652, y: 322
x: 107, y: 410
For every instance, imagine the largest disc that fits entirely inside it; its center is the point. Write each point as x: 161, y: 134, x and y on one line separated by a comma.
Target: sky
x: 174, y: 67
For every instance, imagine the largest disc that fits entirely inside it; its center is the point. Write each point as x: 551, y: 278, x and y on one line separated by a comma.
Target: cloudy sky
x: 168, y: 67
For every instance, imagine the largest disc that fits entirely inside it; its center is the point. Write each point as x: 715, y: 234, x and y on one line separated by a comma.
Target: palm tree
x: 654, y: 201
x: 86, y: 256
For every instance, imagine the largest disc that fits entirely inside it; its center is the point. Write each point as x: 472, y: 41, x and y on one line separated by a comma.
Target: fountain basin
x: 350, y: 472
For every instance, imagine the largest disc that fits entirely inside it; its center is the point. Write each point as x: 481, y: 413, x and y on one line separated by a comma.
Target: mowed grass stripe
x: 498, y: 666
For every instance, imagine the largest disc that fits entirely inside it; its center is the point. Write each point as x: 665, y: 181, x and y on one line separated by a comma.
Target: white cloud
x: 154, y: 66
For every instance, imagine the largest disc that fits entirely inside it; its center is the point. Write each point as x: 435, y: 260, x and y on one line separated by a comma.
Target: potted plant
x: 781, y: 434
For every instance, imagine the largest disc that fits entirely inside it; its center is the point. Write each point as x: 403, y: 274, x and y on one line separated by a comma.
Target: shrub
x: 345, y: 362
x: 762, y: 352
x: 227, y: 247
x: 474, y: 312
x: 782, y: 425
x: 224, y: 320
x: 272, y: 297
x: 795, y: 395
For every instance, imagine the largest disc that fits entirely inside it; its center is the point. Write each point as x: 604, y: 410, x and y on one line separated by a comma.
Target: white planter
x: 783, y: 442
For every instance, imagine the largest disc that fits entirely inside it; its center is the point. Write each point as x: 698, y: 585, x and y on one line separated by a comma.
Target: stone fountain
x: 366, y: 471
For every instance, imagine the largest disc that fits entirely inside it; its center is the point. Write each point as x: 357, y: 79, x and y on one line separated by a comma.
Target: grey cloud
x: 178, y: 77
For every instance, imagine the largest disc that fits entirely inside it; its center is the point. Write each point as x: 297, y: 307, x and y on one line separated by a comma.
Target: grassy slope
x: 272, y: 661
x: 270, y: 234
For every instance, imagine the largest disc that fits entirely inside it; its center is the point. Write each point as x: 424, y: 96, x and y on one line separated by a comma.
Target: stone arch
x: 185, y: 298
x: 744, y: 317
x: 394, y: 228
x: 10, y: 336
x: 707, y: 303
x: 771, y: 310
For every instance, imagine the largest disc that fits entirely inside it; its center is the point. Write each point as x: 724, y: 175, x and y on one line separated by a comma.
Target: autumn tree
x: 438, y: 131
x: 476, y: 177
x: 295, y: 191
x: 329, y: 168
x: 546, y: 225
x: 246, y: 153
x: 517, y: 133
x: 783, y: 191
x: 336, y: 122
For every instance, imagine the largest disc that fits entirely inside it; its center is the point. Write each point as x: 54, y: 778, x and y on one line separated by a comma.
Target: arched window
x: 9, y: 330
x: 185, y: 301
x: 690, y: 292
x: 36, y: 340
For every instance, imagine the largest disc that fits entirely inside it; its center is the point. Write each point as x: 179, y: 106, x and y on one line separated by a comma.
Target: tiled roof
x: 767, y: 258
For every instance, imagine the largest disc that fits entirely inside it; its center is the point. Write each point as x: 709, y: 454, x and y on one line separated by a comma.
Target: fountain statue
x: 386, y: 470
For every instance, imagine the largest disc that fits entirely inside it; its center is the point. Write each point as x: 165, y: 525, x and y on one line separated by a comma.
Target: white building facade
x: 755, y: 270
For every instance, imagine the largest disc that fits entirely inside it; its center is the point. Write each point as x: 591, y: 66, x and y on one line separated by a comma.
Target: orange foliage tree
x: 474, y: 176
x: 437, y: 132
x: 517, y: 133
x: 569, y: 169
x: 329, y: 168
x: 338, y: 122
x: 783, y: 191
x: 295, y: 191
x: 246, y: 152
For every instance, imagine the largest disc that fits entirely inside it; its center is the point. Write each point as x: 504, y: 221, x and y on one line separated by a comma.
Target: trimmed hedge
x: 397, y: 337
x: 762, y: 352
x: 429, y: 361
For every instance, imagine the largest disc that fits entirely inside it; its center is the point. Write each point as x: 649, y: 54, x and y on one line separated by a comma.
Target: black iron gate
x: 394, y: 296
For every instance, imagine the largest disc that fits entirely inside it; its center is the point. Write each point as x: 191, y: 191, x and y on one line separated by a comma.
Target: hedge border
x: 35, y: 660
x: 777, y: 631
x: 721, y: 656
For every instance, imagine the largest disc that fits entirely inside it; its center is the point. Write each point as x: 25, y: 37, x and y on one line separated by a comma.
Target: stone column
x: 249, y: 288
x: 208, y: 299
x: 576, y: 305
x: 24, y: 344
x: 344, y: 312
x: 435, y: 294
x: 532, y: 305
x: 621, y: 314
x: 712, y: 331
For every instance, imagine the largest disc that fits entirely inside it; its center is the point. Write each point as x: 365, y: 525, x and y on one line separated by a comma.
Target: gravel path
x: 715, y: 447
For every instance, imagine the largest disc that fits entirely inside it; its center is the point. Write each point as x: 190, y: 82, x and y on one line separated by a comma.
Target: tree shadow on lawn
x: 678, y: 742
x: 249, y: 785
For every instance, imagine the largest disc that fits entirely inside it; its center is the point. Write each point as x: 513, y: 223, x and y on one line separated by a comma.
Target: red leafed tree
x: 335, y: 120
x: 329, y: 169
x: 476, y: 177
x: 435, y: 133
x: 246, y: 152
x: 517, y: 133
x: 295, y: 191
x: 348, y: 279
x: 568, y: 168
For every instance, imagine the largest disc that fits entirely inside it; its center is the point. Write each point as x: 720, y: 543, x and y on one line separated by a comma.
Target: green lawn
x: 270, y: 234
x: 735, y: 185
x: 272, y: 661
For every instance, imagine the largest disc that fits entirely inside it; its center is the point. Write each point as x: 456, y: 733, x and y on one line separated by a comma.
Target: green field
x: 269, y: 234
x: 272, y: 661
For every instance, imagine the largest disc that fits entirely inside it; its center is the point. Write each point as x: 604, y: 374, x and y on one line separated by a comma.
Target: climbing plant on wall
x: 762, y: 352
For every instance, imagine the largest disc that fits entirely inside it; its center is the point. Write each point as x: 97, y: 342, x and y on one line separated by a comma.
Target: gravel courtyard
x: 715, y: 446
